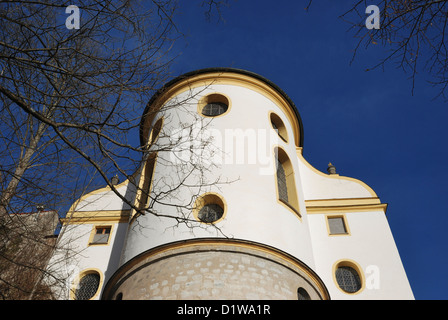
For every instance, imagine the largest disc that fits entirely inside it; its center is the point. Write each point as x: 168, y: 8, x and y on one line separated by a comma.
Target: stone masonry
x: 213, y: 273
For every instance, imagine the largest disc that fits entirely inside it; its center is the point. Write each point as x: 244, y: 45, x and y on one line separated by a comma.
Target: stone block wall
x: 212, y: 272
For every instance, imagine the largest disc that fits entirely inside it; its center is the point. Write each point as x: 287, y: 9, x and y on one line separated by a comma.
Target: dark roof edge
x: 223, y: 69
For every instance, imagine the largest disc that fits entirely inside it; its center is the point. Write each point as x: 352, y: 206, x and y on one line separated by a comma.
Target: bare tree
x: 414, y: 31
x: 71, y: 100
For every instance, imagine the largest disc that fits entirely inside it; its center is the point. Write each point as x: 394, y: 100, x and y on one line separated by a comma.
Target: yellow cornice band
x: 227, y: 78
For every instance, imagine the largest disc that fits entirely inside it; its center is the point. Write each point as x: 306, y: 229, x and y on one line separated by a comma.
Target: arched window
x: 145, y: 185
x: 155, y: 132
x: 88, y: 286
x: 286, y: 185
x: 281, y: 182
x: 348, y: 278
x: 302, y: 294
x: 279, y: 126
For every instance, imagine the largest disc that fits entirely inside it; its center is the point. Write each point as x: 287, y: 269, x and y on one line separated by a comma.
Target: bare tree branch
x: 70, y: 103
x: 414, y: 33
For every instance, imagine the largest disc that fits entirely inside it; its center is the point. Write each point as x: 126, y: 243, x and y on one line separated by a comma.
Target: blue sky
x: 368, y: 124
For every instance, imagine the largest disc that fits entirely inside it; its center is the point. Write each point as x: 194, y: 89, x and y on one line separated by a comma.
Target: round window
x: 210, y: 213
x: 87, y: 286
x: 209, y: 208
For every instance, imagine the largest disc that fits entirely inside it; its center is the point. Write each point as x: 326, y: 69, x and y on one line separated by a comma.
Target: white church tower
x: 225, y: 206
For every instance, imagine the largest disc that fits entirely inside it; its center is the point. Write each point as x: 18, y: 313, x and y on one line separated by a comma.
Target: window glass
x: 348, y: 279
x: 279, y: 126
x: 214, y: 109
x: 302, y: 294
x: 88, y: 286
x: 210, y: 213
x: 337, y: 225
x: 286, y: 186
x: 209, y: 208
x: 101, y: 235
x: 281, y: 182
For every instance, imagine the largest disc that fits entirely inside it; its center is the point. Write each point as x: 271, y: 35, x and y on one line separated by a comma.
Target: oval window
x: 348, y: 279
x: 87, y: 286
x: 214, y: 109
x: 214, y: 105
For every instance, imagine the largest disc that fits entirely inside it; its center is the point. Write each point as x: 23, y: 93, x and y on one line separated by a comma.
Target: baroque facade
x: 225, y: 206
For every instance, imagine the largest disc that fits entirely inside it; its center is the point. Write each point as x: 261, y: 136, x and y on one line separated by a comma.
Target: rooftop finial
x: 115, y: 180
x: 331, y: 169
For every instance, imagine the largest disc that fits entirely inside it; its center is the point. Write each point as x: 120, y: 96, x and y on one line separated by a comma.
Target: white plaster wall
x: 107, y: 199
x: 247, y: 183
x: 253, y: 212
x: 74, y: 255
x: 371, y: 245
x: 323, y: 186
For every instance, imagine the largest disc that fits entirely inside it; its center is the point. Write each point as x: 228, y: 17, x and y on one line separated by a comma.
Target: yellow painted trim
x: 93, y: 232
x: 358, y: 269
x: 283, y: 134
x: 205, y: 99
x: 151, y: 157
x: 229, y: 78
x: 94, y: 192
x: 344, y: 209
x: 341, y: 202
x: 79, y: 277
x: 192, y: 243
x: 344, y: 219
x: 143, y: 176
x: 334, y: 176
x: 208, y: 198
x: 153, y: 138
x: 86, y: 217
x: 293, y: 207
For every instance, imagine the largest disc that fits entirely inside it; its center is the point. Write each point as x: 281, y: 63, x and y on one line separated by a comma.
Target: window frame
x: 278, y: 125
x: 206, y: 199
x: 146, y: 182
x: 282, y: 182
x: 94, y: 232
x: 80, y: 276
x: 356, y: 267
x: 280, y: 156
x: 344, y: 220
x: 215, y: 97
x: 156, y: 129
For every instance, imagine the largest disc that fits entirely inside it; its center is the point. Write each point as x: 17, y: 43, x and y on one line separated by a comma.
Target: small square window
x: 337, y: 225
x: 101, y: 235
